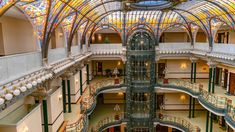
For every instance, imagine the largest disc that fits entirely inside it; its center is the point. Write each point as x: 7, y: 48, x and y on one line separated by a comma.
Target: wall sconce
x: 120, y: 93
x: 119, y: 63
x: 60, y: 35
x: 24, y: 129
x: 182, y: 97
x: 99, y: 37
x: 60, y: 97
x: 183, y: 66
x: 76, y: 81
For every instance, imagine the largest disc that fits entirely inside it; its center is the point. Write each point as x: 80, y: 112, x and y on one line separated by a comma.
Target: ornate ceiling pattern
x: 86, y: 15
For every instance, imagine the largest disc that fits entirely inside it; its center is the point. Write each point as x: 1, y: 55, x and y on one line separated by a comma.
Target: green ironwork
x: 88, y: 74
x: 195, y: 72
x: 64, y: 95
x: 81, y: 90
x: 193, y: 112
x: 45, y: 115
x: 207, y: 121
x: 191, y: 77
x: 140, y: 80
x: 69, y: 96
x: 190, y: 106
x: 211, y: 122
x: 213, y: 80
x: 209, y: 84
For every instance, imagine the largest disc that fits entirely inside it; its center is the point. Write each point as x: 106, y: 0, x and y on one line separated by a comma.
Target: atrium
x: 117, y: 65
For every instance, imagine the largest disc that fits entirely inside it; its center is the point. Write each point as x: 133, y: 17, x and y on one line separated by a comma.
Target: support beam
x: 213, y: 80
x: 207, y: 121
x: 64, y: 95
x: 81, y: 90
x: 209, y: 83
x: 190, y: 106
x: 211, y: 122
x: 195, y: 72
x: 69, y: 96
x: 45, y: 115
x: 88, y: 74
x: 193, y: 113
x: 191, y: 78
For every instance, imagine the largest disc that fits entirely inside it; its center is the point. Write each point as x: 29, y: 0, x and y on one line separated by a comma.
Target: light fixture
x: 99, y: 37
x: 182, y: 97
x: 8, y: 96
x: 23, y: 89
x: 16, y: 92
x: 120, y: 93
x: 60, y: 97
x: 183, y: 66
x: 119, y: 63
x: 2, y: 101
x: 29, y: 85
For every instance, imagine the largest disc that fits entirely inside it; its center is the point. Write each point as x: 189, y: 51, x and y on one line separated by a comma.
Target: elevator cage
x: 140, y: 80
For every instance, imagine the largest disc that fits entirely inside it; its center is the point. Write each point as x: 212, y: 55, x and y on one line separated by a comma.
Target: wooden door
x: 160, y: 101
x: 225, y: 78
x: 161, y: 69
x: 232, y: 84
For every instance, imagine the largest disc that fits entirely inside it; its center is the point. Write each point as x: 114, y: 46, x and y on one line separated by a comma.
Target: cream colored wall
x: 178, y: 101
x: 182, y: 69
x: 18, y: 35
x: 55, y: 108
x: 175, y: 37
x: 75, y: 87
x: 32, y: 122
x: 231, y: 37
x: 60, y: 38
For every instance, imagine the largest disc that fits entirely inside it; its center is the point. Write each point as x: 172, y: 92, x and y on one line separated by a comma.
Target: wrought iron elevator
x: 140, y: 80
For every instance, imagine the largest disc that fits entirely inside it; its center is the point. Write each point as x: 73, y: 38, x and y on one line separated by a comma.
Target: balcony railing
x: 108, y: 121
x: 178, y: 122
x: 79, y: 125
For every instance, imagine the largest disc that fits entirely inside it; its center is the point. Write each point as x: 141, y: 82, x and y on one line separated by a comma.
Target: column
x: 193, y: 76
x: 193, y: 112
x: 190, y: 105
x: 207, y: 120
x: 195, y: 72
x: 228, y: 82
x: 81, y: 90
x: 124, y: 72
x: 211, y: 122
x: 87, y: 71
x: 69, y: 96
x: 45, y: 115
x: 213, y: 79
x: 64, y: 95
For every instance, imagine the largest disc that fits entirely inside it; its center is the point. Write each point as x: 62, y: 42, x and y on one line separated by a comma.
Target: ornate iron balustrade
x: 217, y: 104
x: 177, y: 122
x: 79, y: 126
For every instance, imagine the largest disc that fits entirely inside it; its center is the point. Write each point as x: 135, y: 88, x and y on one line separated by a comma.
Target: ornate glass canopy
x: 86, y: 15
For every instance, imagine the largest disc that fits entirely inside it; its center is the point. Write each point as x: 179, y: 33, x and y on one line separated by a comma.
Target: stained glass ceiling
x: 78, y: 15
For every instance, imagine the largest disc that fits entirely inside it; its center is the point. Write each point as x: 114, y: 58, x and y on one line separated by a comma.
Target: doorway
x: 232, y: 84
x: 160, y: 101
x: 225, y: 78
x: 161, y: 69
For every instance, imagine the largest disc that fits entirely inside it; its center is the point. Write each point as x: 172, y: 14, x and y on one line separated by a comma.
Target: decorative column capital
x: 157, y: 58
x: 193, y: 59
x: 211, y: 63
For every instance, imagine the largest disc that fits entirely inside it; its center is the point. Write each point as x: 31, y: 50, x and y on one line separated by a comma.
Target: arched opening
x: 174, y: 35
x: 201, y: 36
x: 106, y: 36
x: 57, y: 39
x: 17, y: 34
